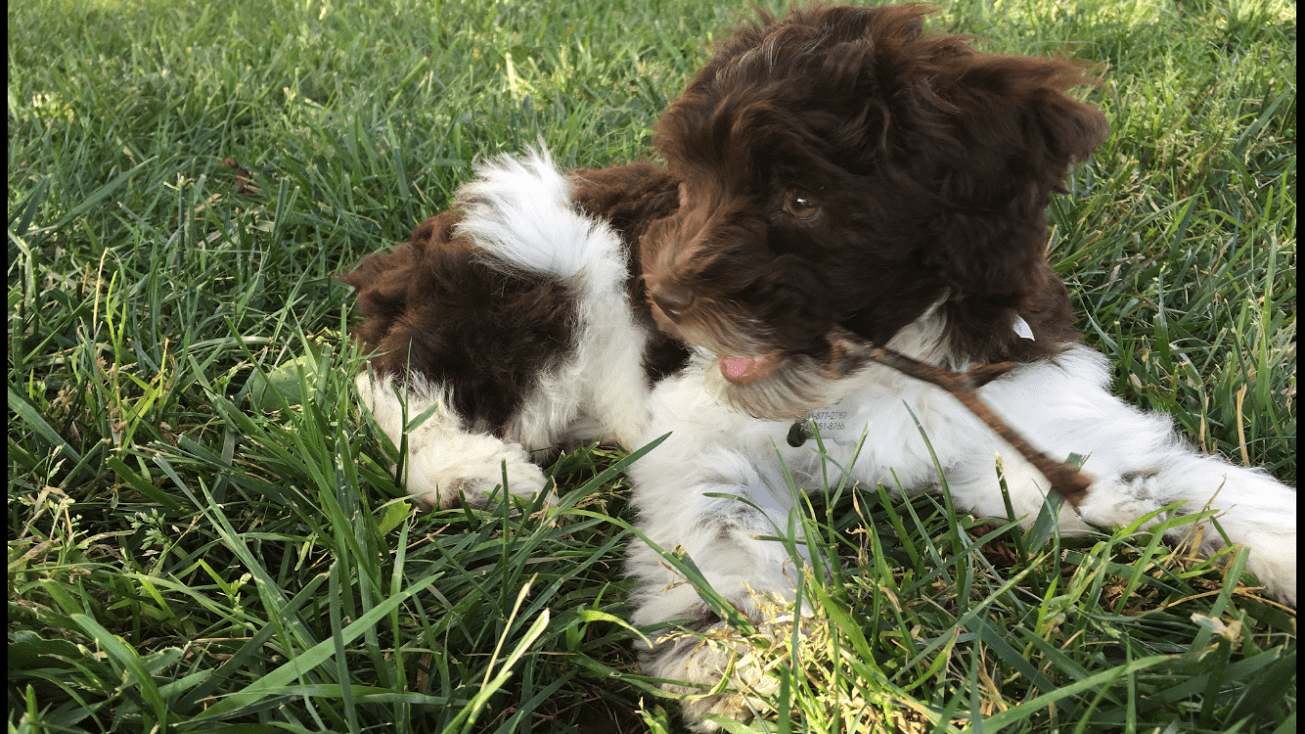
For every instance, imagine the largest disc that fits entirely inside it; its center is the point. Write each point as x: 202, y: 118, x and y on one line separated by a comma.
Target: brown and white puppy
x: 839, y: 169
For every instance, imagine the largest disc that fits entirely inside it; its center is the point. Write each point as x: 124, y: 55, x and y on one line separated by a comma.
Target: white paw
x: 712, y: 653
x: 472, y: 467
x: 445, y: 462
x: 1273, y: 562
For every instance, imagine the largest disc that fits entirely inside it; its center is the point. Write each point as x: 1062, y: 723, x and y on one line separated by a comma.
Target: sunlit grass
x: 186, y: 179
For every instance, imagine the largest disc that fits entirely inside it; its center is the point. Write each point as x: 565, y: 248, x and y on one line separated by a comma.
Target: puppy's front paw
x: 470, y: 466
x: 723, y: 672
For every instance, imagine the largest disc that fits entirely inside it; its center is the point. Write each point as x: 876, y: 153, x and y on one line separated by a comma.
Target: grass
x: 203, y: 532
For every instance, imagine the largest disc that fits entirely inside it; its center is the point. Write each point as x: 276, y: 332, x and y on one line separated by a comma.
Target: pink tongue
x: 749, y: 369
x: 738, y: 368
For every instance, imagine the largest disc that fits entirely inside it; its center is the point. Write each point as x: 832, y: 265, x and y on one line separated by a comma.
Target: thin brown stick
x: 851, y: 352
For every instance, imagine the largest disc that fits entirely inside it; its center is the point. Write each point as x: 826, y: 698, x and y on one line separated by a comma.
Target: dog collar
x: 798, y: 433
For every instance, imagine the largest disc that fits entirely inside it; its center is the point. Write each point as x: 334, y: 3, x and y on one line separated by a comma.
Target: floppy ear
x: 1028, y: 111
x: 1011, y: 135
x: 998, y: 142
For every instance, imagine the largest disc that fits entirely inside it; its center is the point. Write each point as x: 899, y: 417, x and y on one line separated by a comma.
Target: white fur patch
x: 1022, y: 328
x: 519, y: 211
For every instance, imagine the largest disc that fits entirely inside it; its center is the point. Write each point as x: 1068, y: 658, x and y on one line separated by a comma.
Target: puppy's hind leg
x: 1252, y: 508
x: 445, y: 461
x: 1138, y: 465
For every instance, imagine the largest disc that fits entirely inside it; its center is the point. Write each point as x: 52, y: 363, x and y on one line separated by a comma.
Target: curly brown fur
x: 928, y: 167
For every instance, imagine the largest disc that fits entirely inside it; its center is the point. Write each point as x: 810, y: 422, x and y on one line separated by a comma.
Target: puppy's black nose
x: 673, y: 300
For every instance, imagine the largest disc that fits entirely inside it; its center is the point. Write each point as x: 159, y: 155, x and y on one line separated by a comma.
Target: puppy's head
x: 841, y: 168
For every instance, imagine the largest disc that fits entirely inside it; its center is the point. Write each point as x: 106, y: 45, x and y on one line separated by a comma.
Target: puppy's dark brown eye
x: 800, y: 205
